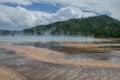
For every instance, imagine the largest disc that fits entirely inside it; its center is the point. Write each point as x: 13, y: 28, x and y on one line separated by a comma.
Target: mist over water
x: 46, y: 38
x: 75, y: 54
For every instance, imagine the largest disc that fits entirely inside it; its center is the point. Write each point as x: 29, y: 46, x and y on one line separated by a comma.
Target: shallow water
x: 80, y: 54
x: 68, y: 52
x: 112, y: 45
x: 46, y: 38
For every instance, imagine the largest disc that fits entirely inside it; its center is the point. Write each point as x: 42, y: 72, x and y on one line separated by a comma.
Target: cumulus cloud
x: 71, y: 12
x: 19, y: 17
x: 14, y: 17
x: 110, y: 7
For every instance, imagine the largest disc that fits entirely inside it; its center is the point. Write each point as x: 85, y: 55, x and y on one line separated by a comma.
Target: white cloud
x: 73, y: 12
x: 4, y: 19
x: 19, y: 17
x: 111, y: 7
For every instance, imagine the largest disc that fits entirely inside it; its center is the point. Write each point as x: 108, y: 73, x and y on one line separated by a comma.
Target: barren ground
x: 43, y: 64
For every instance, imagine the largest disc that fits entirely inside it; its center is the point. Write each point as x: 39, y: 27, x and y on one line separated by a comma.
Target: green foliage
x: 99, y: 26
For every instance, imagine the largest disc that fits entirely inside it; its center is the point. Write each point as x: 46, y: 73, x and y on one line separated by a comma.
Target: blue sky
x: 21, y: 14
x: 39, y: 7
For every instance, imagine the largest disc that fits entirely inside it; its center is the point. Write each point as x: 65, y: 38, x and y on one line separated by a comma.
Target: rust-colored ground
x: 9, y: 74
x: 31, y: 63
x: 46, y: 55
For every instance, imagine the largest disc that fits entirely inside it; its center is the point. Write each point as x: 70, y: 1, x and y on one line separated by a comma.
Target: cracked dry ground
x: 38, y: 70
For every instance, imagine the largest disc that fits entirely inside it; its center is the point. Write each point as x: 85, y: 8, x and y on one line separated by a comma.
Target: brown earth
x: 46, y: 55
x: 9, y: 74
x: 43, y: 64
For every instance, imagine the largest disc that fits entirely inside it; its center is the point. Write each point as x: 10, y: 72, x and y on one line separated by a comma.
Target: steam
x: 46, y: 38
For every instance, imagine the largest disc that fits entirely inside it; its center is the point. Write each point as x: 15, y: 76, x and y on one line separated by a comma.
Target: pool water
x: 46, y: 38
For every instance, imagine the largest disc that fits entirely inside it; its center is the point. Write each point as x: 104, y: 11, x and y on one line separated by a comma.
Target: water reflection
x: 81, y: 54
x: 100, y: 52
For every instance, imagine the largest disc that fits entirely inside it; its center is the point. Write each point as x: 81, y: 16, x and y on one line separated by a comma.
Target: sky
x: 22, y: 14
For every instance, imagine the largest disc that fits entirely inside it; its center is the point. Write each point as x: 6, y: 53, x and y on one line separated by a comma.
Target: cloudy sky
x: 21, y: 14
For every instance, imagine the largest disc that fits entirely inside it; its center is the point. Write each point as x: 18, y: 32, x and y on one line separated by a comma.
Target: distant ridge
x: 98, y: 26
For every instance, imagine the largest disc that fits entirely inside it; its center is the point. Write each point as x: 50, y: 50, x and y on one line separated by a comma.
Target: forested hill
x: 98, y: 26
